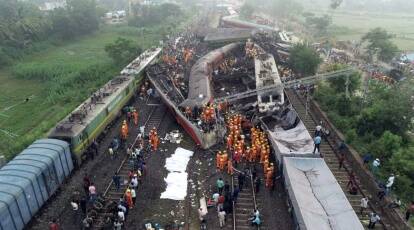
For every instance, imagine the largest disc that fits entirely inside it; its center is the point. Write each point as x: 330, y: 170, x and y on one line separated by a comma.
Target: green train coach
x: 88, y: 120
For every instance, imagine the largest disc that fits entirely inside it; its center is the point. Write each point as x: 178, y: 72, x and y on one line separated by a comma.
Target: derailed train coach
x: 315, y: 196
x: 30, y: 179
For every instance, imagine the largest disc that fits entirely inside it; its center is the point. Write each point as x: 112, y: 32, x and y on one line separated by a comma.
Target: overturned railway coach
x: 91, y: 118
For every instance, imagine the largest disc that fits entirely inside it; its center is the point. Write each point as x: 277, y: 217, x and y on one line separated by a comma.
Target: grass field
x: 352, y: 26
x: 22, y: 122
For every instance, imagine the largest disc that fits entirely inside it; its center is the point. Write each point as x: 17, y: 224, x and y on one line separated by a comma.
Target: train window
x: 265, y: 99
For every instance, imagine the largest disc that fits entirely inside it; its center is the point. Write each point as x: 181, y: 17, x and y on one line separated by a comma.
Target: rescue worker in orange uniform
x: 128, y: 198
x: 155, y: 141
x: 223, y: 162
x: 229, y: 142
x: 135, y: 115
x: 230, y: 167
x: 253, y: 154
x: 265, y: 165
x: 262, y: 154
x: 269, y: 176
x: 124, y: 131
x: 218, y: 156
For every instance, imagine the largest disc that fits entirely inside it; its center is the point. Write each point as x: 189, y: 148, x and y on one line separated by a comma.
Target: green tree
x: 319, y: 24
x: 247, y: 10
x: 386, y: 145
x: 339, y: 83
x: 402, y: 163
x: 386, y: 108
x: 304, y: 60
x: 78, y: 18
x: 379, y: 42
x: 21, y: 24
x: 123, y: 51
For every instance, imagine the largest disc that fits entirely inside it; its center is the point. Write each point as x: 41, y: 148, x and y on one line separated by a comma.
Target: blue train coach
x: 30, y: 179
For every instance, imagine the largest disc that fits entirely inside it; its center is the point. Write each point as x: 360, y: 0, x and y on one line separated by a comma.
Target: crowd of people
x: 91, y: 204
x: 242, y: 149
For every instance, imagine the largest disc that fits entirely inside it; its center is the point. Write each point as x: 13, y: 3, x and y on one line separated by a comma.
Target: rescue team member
x: 124, y: 131
x: 135, y: 116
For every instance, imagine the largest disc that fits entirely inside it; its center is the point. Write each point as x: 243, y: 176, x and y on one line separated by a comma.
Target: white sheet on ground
x: 177, y: 177
x: 293, y: 141
x: 318, y: 200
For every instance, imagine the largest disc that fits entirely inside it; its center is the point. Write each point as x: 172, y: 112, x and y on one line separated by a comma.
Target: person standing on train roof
x: 317, y: 142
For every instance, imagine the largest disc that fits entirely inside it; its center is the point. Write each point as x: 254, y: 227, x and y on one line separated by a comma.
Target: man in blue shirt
x: 317, y: 141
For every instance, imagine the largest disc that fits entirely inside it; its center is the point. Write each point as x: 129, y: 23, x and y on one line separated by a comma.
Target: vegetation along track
x: 155, y: 116
x: 330, y: 155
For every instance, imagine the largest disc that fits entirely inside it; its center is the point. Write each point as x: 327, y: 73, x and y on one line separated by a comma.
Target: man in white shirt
x: 375, y: 166
x: 133, y: 195
x: 121, y: 215
x: 215, y: 198
x: 134, y: 181
x: 364, y: 204
x: 373, y: 219
x: 222, y: 218
x: 389, y: 184
x: 74, y: 205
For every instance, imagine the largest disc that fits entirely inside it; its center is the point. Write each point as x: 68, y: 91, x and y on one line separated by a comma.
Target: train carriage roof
x: 228, y: 34
x: 84, y: 114
x: 318, y: 200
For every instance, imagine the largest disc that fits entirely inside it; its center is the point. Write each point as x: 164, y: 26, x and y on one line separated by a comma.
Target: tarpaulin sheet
x: 317, y: 199
x: 293, y: 141
x: 177, y: 177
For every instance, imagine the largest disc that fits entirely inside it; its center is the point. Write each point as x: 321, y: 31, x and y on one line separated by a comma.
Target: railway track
x: 111, y: 194
x: 328, y: 150
x: 246, y: 203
